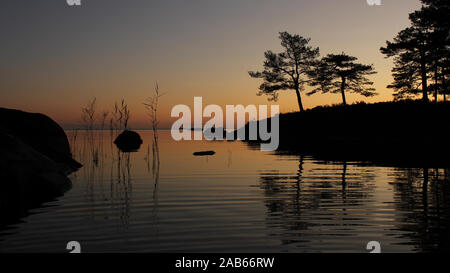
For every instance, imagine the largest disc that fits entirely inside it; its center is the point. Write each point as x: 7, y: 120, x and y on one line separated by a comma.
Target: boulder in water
x: 128, y: 141
x: 41, y: 133
x: 35, y: 160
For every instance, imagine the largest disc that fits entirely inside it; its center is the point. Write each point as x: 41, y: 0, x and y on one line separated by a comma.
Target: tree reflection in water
x: 424, y: 195
x: 301, y: 206
x: 334, y: 204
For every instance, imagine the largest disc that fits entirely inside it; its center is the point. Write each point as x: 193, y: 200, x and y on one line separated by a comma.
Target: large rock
x: 41, y: 133
x: 128, y: 141
x: 35, y: 159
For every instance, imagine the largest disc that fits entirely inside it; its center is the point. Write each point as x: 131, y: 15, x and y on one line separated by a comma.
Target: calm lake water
x: 239, y: 200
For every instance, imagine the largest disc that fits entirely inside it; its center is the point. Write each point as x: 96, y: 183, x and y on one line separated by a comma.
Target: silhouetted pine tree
x: 422, y: 51
x: 287, y: 70
x: 339, y: 73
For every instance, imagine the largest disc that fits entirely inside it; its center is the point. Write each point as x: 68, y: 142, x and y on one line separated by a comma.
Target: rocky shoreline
x: 35, y: 160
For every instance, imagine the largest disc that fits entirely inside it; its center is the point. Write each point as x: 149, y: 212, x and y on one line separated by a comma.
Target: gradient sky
x: 55, y: 58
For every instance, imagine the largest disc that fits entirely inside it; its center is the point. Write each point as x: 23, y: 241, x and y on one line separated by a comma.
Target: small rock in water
x: 204, y: 153
x: 128, y: 141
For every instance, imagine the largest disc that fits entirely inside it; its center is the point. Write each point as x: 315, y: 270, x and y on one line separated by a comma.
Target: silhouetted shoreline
x: 405, y: 133
x: 34, y: 163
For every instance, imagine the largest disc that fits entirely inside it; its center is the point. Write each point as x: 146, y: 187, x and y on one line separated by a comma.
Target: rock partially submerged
x: 35, y: 160
x: 128, y: 141
x: 204, y: 153
x: 41, y: 133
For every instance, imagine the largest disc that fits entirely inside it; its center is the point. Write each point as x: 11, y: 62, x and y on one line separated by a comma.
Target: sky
x: 55, y: 58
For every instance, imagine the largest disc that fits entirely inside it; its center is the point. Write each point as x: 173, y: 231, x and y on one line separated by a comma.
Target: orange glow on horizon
x: 202, y: 53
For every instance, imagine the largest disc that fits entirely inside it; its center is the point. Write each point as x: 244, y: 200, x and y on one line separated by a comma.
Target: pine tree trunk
x: 436, y: 83
x: 299, y: 100
x: 444, y: 87
x: 344, y: 101
x: 423, y: 70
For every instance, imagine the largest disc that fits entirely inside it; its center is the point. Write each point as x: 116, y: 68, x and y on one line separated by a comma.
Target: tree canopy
x: 289, y: 69
x: 338, y: 73
x: 421, y: 53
